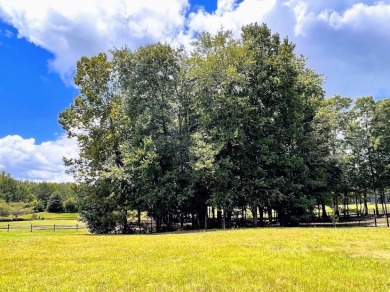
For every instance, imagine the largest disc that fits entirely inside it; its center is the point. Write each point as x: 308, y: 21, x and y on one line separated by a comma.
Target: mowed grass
x: 47, y: 219
x: 268, y: 259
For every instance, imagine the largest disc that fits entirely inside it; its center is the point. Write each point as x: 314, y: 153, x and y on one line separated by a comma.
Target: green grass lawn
x: 268, y: 259
x: 46, y: 219
x: 55, y: 216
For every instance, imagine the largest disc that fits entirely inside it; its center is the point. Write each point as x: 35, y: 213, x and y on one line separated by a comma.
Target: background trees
x: 21, y: 197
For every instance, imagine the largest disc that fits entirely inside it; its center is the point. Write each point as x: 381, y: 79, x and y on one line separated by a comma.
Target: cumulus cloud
x: 347, y: 41
x: 361, y: 18
x: 230, y: 15
x: 71, y: 29
x: 24, y: 159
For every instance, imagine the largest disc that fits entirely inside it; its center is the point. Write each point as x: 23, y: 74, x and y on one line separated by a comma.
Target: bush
x: 4, y: 209
x: 34, y: 217
x: 70, y: 206
x: 38, y: 206
x: 54, y: 204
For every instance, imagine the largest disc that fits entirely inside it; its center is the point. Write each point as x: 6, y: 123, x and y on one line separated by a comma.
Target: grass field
x: 268, y: 259
x: 47, y: 220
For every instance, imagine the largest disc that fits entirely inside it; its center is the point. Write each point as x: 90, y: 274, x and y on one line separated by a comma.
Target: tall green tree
x: 361, y: 142
x: 157, y: 103
x: 331, y: 122
x: 96, y: 120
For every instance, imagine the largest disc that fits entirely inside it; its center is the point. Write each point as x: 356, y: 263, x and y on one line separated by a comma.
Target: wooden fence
x: 31, y: 227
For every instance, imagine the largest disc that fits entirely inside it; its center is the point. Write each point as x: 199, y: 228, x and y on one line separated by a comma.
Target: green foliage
x: 4, y: 210
x: 235, y: 124
x: 35, y: 194
x: 8, y: 187
x: 55, y: 203
x: 38, y: 206
x: 70, y: 206
x: 15, y: 209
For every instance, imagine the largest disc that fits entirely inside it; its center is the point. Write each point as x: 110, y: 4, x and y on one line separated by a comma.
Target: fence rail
x: 32, y: 227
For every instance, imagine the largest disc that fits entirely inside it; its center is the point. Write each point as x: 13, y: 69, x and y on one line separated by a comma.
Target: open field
x: 49, y: 219
x: 352, y: 207
x: 268, y: 259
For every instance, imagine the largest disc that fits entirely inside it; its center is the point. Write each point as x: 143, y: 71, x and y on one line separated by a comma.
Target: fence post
x: 31, y: 228
x: 8, y: 228
x: 77, y: 227
x: 375, y: 217
x: 54, y: 227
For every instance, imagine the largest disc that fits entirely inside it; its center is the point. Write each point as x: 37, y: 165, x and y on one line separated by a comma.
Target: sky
x: 348, y: 42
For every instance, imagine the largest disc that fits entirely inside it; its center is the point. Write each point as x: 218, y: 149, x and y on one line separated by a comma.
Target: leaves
x: 235, y: 123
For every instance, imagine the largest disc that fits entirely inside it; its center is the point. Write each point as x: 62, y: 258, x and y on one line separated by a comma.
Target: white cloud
x: 230, y: 15
x: 361, y: 18
x: 24, y: 159
x: 7, y: 33
x: 73, y: 28
x: 302, y: 16
x: 345, y: 40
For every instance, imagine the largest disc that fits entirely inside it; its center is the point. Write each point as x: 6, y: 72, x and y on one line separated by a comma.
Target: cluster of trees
x: 358, y: 136
x: 23, y: 197
x: 234, y: 124
x: 15, y: 209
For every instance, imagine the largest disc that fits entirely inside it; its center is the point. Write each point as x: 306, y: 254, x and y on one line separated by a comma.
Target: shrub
x: 70, y: 206
x: 54, y: 204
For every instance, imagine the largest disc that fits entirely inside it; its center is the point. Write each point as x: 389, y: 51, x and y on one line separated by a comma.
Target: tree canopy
x: 233, y: 124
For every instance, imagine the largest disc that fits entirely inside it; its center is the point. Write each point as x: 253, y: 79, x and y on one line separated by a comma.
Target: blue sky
x: 41, y: 40
x: 31, y: 96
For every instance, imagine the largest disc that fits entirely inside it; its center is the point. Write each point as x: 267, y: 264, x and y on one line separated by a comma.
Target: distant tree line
x: 235, y: 124
x: 18, y: 197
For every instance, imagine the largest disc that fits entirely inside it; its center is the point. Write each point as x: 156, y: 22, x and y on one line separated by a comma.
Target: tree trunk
x: 345, y: 204
x: 387, y: 215
x: 365, y: 202
x: 158, y: 223
x: 261, y: 210
x: 269, y: 214
x: 125, y: 224
x: 254, y: 214
x: 228, y: 219
x: 242, y: 217
x: 224, y: 220
x: 375, y: 201
x: 219, y: 219
x: 324, y: 215
x: 169, y: 222
x: 139, y: 218
x: 383, y: 201
x: 205, y: 219
x: 319, y: 210
x: 336, y: 206
x: 202, y: 215
x: 282, y: 218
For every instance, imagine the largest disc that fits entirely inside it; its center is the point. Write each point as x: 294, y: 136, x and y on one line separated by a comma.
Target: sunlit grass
x: 352, y: 208
x: 300, y: 259
x: 44, y: 219
x: 53, y: 216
